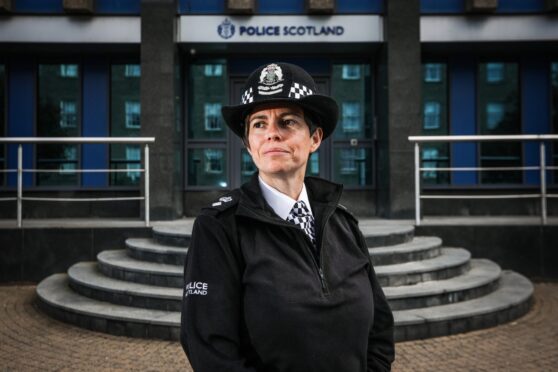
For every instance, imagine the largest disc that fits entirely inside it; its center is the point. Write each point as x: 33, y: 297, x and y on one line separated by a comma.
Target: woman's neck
x: 290, y: 186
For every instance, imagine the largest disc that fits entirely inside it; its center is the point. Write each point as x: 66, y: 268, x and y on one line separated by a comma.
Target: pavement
x: 32, y: 341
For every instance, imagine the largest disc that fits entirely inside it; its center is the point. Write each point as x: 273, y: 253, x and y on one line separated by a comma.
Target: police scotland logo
x: 271, y: 79
x: 226, y: 29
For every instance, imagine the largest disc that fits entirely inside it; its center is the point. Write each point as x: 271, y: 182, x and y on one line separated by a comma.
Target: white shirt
x: 282, y: 203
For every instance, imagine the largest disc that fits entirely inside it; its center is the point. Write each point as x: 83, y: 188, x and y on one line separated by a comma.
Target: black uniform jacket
x: 257, y: 299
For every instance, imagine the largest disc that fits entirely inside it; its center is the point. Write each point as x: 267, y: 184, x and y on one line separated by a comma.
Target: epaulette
x: 223, y: 203
x: 346, y: 210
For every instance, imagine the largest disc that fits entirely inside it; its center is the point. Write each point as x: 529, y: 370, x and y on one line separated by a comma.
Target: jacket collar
x: 322, y: 194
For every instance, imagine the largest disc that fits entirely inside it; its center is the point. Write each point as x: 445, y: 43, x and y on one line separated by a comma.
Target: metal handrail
x: 78, y: 140
x: 542, y: 167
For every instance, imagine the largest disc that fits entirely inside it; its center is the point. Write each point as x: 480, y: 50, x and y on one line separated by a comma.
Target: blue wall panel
x: 504, y: 6
x: 535, y: 103
x: 280, y: 6
x: 55, y: 6
x: 21, y: 114
x: 95, y: 120
x: 463, y: 117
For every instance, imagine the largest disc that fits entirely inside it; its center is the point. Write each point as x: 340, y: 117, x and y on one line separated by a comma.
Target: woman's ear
x: 316, y: 138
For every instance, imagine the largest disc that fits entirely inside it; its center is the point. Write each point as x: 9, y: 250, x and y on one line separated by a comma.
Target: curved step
x: 511, y: 300
x: 450, y: 263
x: 153, y: 251
x: 177, y: 234
x: 379, y: 234
x: 482, y: 278
x: 117, y: 264
x: 58, y: 300
x: 86, y: 279
x: 508, y: 302
x: 420, y: 248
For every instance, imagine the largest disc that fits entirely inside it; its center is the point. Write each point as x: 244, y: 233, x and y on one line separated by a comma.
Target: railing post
x: 417, y: 183
x: 19, y: 184
x: 146, y: 179
x: 543, y: 182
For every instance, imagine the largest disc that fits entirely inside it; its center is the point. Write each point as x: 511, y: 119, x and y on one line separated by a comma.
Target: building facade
x: 165, y: 68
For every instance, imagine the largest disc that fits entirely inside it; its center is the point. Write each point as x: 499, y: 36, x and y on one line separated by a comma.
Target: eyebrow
x: 286, y: 113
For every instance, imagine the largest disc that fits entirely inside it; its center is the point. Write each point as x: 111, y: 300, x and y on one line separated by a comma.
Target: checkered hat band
x: 247, y: 96
x: 300, y: 216
x: 298, y: 91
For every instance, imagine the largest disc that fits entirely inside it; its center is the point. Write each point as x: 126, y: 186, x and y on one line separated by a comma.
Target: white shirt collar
x: 282, y: 203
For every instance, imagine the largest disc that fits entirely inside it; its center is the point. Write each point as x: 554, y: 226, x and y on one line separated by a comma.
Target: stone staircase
x: 433, y: 290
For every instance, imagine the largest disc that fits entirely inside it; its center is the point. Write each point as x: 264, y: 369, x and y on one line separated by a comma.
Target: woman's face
x: 280, y: 142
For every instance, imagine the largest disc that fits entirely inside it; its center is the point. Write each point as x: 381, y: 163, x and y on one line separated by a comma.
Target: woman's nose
x: 273, y: 132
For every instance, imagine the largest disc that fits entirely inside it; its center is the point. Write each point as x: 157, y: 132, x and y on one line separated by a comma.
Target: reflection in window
x: 57, y: 116
x: 213, y: 70
x: 432, y: 113
x: 133, y: 157
x: 133, y: 114
x: 499, y: 116
x: 494, y: 114
x: 69, y: 71
x: 494, y: 72
x: 350, y: 118
x: 352, y: 165
x: 213, y: 161
x: 207, y: 167
x: 432, y: 72
x: 212, y: 117
x: 68, y: 114
x: 313, y: 166
x: 351, y: 72
x: 435, y: 156
x: 125, y: 121
x: 132, y: 71
x: 247, y: 166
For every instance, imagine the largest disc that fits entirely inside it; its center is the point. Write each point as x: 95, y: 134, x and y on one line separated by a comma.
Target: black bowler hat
x: 282, y: 82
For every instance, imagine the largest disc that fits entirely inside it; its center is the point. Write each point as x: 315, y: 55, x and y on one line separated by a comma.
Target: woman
x: 278, y: 276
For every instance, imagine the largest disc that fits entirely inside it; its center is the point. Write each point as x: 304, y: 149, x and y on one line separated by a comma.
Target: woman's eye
x: 257, y: 124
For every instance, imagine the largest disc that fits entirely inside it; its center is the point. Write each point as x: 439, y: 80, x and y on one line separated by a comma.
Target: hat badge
x: 271, y: 78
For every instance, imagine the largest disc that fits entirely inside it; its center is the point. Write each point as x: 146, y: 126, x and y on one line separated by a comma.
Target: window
x: 351, y: 86
x: 494, y: 72
x: 69, y: 71
x: 207, y: 167
x: 133, y: 157
x: 554, y: 113
x: 213, y: 161
x: 494, y: 115
x: 132, y: 71
x: 432, y: 113
x: 499, y: 114
x: 351, y: 72
x: 207, y: 144
x: 58, y: 114
x: 125, y: 121
x: 213, y: 70
x: 350, y: 119
x: 212, y: 117
x: 3, y: 164
x: 133, y: 114
x: 433, y: 72
x: 68, y: 112
x: 435, y: 122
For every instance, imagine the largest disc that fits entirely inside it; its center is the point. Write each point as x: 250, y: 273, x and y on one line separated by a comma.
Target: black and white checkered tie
x: 300, y: 216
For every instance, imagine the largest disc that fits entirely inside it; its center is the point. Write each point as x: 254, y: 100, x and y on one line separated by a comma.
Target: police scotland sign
x: 227, y: 29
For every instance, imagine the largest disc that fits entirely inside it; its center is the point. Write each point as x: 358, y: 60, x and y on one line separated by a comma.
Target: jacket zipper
x: 318, y: 267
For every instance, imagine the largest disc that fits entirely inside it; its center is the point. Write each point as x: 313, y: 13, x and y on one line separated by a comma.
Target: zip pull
x: 322, y: 279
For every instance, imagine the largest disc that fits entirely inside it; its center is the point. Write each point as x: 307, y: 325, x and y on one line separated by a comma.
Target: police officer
x: 278, y: 276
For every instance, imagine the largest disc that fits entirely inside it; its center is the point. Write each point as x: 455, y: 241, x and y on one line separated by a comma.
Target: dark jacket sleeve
x: 210, y: 329
x: 381, y: 347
